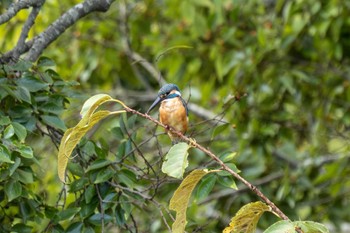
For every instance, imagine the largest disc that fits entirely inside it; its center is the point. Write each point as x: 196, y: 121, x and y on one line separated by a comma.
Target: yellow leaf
x: 246, y: 218
x: 72, y: 137
x: 93, y: 103
x: 89, y: 118
x: 181, y: 197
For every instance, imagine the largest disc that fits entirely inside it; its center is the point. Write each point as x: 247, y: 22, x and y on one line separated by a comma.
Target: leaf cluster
x: 33, y: 96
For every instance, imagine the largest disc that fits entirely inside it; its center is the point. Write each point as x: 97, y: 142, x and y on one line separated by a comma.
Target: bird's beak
x: 154, y: 104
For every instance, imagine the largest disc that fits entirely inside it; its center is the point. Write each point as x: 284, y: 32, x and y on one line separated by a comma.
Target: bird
x: 173, y: 110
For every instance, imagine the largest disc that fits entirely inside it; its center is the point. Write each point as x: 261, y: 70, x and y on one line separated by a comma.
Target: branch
x: 25, y: 30
x: 63, y: 23
x: 133, y: 56
x: 217, y: 160
x: 15, y: 8
x: 37, y: 45
x: 230, y: 192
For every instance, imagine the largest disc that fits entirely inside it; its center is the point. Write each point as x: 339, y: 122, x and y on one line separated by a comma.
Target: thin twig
x: 149, y: 198
x: 36, y: 46
x: 102, y: 208
x: 15, y: 8
x: 26, y: 28
x: 215, y: 158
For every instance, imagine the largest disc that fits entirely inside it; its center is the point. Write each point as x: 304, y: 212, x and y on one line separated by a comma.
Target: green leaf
x: 74, y: 227
x: 22, y: 65
x: 127, y: 177
x: 227, y: 156
x: 22, y: 93
x: 53, y: 121
x: 25, y: 151
x: 89, y: 193
x: 50, y: 212
x: 13, y: 189
x: 122, y: 124
x: 32, y: 84
x: 5, y: 120
x: 15, y: 165
x: 247, y: 218
x: 22, y: 228
x: 120, y: 215
x: 5, y: 155
x: 99, y: 163
x: 79, y: 184
x: 68, y: 213
x: 285, y: 226
x: 45, y: 61
x: 88, y: 229
x: 110, y: 200
x: 96, y: 219
x: 9, y: 132
x: 205, y: 186
x: 104, y: 175
x: 25, y: 176
x: 311, y: 227
x: 20, y: 131
x: 233, y: 167
x: 87, y: 209
x: 176, y: 160
x: 76, y: 169
x: 219, y: 129
x: 51, y: 108
x: 227, y: 181
x: 118, y: 133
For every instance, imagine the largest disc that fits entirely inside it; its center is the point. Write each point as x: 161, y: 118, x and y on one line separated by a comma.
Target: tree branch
x: 37, y: 45
x: 216, y: 159
x: 25, y: 30
x: 15, y: 8
x: 134, y: 57
x: 63, y: 23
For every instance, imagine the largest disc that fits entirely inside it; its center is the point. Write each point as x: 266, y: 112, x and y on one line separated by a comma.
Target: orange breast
x: 173, y: 113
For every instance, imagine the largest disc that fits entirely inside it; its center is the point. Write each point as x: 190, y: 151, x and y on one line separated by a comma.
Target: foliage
x: 181, y: 198
x: 271, y: 76
x: 88, y: 119
x: 305, y: 226
x: 176, y: 161
x: 247, y: 218
x: 32, y: 100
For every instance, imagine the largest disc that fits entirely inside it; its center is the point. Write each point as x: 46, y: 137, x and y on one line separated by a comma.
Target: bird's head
x: 167, y: 91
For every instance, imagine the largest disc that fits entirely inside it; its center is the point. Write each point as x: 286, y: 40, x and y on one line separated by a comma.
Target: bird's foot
x: 193, y: 142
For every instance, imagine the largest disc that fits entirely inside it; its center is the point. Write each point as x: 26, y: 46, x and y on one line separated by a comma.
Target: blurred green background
x: 266, y: 79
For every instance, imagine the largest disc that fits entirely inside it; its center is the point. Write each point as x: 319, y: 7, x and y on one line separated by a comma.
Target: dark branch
x: 134, y: 57
x: 37, y: 45
x: 63, y: 23
x: 191, y: 142
x: 15, y: 8
x: 25, y: 30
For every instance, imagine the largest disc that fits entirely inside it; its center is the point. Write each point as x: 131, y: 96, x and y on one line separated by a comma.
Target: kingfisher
x: 173, y: 110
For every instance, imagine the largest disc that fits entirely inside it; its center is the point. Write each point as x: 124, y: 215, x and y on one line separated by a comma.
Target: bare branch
x: 190, y: 141
x: 149, y: 67
x: 16, y: 7
x: 63, y: 23
x: 41, y: 41
x: 134, y: 57
x: 25, y: 30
